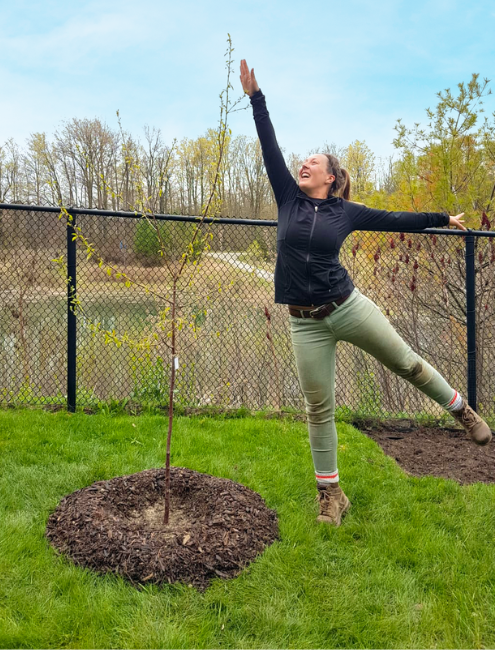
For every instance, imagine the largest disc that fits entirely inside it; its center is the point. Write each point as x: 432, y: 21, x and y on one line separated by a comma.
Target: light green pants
x: 360, y: 322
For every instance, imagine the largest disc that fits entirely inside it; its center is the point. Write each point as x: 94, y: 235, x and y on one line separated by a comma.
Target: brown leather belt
x: 317, y: 313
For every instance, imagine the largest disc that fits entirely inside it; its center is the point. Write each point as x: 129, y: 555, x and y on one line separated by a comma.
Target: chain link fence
x: 229, y: 353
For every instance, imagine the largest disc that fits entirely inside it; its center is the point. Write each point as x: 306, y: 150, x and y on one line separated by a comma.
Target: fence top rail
x: 219, y: 220
x: 136, y: 215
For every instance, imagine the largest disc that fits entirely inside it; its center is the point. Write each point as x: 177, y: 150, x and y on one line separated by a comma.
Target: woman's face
x: 314, y: 175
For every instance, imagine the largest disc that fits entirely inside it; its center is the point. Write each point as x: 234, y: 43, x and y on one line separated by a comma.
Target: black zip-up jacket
x: 310, y: 232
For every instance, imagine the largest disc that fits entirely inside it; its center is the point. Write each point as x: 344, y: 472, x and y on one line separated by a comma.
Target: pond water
x: 33, y: 349
x: 229, y: 362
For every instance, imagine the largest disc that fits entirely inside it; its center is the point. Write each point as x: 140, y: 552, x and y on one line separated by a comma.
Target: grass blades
x: 413, y: 565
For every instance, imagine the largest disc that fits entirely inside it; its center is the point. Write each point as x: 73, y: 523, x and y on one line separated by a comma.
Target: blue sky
x: 331, y: 71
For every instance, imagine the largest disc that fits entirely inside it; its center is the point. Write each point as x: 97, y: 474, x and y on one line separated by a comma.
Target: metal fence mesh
x: 33, y: 307
x: 225, y: 357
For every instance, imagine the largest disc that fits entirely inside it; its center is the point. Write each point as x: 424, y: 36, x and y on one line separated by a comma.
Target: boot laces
x: 328, y: 500
x: 469, y: 417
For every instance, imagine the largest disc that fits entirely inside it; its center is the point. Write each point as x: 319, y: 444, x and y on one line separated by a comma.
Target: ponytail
x: 342, y: 183
x: 345, y: 191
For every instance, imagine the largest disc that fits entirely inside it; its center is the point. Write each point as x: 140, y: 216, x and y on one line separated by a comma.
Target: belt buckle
x: 316, y: 311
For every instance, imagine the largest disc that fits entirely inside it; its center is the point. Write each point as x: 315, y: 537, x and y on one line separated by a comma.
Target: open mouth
x: 305, y: 175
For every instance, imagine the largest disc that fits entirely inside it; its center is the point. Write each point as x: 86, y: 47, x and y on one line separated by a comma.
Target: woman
x: 314, y: 218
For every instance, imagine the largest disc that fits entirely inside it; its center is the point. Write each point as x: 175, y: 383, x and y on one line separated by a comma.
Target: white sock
x: 455, y: 403
x: 325, y: 478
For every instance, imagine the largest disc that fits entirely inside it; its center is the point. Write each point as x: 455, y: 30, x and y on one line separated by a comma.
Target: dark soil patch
x: 434, y: 451
x: 216, y: 527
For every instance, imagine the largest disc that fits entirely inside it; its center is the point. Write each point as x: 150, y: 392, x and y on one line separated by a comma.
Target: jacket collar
x: 303, y: 195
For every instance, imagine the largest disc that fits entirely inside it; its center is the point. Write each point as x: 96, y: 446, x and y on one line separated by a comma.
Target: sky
x: 331, y: 71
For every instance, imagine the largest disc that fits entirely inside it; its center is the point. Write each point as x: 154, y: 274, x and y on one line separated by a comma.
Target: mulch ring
x: 216, y: 527
x: 433, y: 451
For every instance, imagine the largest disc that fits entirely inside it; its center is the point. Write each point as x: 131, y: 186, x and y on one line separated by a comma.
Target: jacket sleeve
x: 364, y: 218
x: 283, y: 184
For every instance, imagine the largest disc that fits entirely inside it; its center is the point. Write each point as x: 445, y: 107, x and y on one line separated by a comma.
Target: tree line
x: 449, y: 164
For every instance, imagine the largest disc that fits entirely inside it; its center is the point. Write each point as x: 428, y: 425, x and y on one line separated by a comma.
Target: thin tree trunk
x: 170, y: 409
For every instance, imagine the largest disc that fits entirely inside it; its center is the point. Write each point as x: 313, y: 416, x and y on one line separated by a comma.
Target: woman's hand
x: 248, y: 80
x: 457, y: 222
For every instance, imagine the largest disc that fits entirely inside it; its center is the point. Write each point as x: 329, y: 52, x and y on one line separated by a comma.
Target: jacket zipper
x: 309, y: 248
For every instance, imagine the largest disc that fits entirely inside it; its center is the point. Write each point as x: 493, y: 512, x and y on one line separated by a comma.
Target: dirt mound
x: 216, y: 527
x: 433, y: 451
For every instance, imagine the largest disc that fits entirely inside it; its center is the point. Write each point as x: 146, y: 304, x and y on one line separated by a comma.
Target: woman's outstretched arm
x: 283, y: 184
x: 364, y: 218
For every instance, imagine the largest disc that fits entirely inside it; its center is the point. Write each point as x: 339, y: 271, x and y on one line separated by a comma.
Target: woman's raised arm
x: 283, y: 184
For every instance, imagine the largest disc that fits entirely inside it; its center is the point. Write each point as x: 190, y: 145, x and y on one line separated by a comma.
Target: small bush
x: 147, y: 242
x: 175, y: 239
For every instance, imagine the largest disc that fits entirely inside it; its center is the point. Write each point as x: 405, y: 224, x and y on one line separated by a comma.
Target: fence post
x: 471, y: 322
x: 71, y: 316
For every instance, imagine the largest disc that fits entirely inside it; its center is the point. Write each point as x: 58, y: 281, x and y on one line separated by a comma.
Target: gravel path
x: 233, y: 259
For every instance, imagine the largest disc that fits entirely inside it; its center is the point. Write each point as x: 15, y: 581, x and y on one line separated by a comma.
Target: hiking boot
x: 477, y: 428
x: 333, y: 504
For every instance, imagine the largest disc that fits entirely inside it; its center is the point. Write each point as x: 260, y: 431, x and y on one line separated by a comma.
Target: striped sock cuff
x: 455, y: 403
x: 324, y: 478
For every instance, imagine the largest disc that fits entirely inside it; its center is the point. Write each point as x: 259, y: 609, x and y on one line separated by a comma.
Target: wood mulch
x: 433, y: 451
x: 216, y: 527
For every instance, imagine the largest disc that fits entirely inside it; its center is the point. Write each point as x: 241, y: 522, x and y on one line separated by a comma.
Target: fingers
x: 244, y: 74
x: 457, y: 222
x: 245, y: 69
x: 460, y: 221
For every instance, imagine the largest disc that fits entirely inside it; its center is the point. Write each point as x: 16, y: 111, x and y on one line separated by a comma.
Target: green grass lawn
x: 413, y: 565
